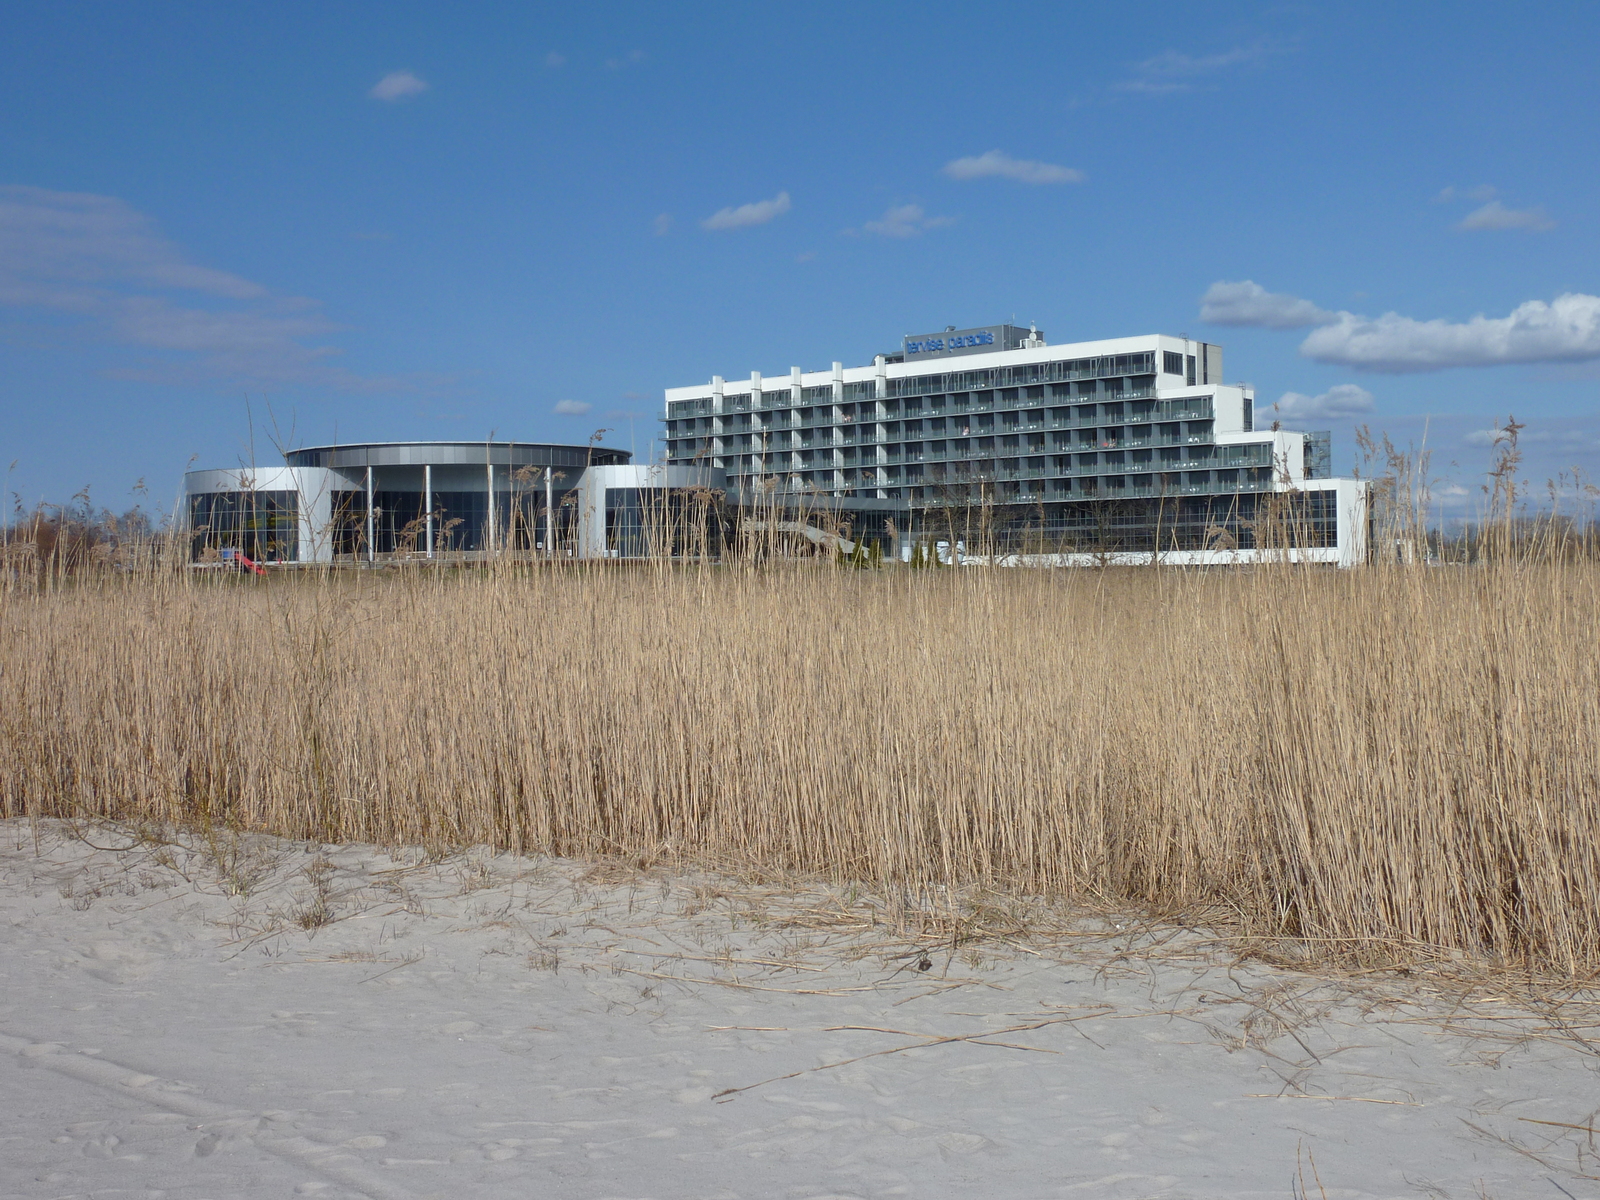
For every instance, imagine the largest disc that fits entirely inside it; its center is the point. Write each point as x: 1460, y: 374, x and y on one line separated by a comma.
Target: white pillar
x: 488, y: 526
x: 371, y: 545
x: 549, y: 512
x: 427, y: 503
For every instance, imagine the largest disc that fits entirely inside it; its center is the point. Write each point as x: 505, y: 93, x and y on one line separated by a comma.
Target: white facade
x: 597, y: 496
x: 949, y: 421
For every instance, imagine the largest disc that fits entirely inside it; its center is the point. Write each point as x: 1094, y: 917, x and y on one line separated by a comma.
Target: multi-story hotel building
x: 1125, y: 446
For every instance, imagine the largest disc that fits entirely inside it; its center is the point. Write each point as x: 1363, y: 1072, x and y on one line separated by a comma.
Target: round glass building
x: 373, y: 500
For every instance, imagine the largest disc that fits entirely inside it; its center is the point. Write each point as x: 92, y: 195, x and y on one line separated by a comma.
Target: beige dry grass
x: 1380, y: 764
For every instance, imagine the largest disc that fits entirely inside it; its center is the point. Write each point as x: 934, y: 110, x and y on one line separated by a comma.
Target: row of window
x: 1241, y: 521
x: 1012, y: 411
x: 1080, y: 377
x: 893, y: 431
x: 996, y: 487
x: 1143, y: 363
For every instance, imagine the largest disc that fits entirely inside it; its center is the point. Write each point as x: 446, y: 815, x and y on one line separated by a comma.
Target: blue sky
x: 423, y: 220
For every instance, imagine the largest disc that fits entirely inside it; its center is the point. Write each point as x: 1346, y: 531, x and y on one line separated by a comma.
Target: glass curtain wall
x: 264, y: 526
x: 460, y: 522
x: 1246, y: 521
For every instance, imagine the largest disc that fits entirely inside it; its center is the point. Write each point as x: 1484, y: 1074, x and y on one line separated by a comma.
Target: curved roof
x: 440, y: 454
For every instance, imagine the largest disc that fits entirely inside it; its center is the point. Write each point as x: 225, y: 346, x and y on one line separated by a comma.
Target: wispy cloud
x: 571, y: 408
x: 97, y: 259
x: 999, y: 164
x: 554, y: 60
x: 662, y: 224
x: 1480, y: 193
x: 1248, y: 303
x: 1175, y: 71
x: 1563, y: 439
x: 903, y: 221
x: 1337, y: 403
x: 746, y: 215
x: 1565, y: 330
x: 1495, y: 215
x: 397, y: 85
x: 633, y: 56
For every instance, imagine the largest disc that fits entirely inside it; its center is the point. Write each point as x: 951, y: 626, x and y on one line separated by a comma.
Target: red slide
x: 249, y: 564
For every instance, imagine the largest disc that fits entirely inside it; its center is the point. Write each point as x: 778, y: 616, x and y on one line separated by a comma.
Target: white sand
x: 485, y: 1027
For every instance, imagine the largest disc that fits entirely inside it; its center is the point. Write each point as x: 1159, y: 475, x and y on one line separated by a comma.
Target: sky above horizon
x: 224, y: 229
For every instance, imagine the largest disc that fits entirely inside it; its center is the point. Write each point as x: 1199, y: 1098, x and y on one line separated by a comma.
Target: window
x: 265, y: 526
x: 1249, y: 414
x: 1171, y: 363
x: 1190, y: 372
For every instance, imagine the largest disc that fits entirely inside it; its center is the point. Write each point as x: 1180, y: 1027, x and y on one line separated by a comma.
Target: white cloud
x: 1337, y: 403
x: 96, y: 259
x: 1248, y: 303
x: 746, y: 215
x: 662, y: 224
x: 1565, y: 330
x: 904, y: 220
x: 1480, y: 193
x: 1564, y: 439
x: 397, y: 85
x: 1174, y: 71
x: 571, y: 408
x: 1495, y: 215
x: 1000, y: 164
x: 554, y: 60
x: 77, y: 241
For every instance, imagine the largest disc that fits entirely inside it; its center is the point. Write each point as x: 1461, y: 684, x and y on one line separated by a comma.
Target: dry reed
x: 1382, y: 763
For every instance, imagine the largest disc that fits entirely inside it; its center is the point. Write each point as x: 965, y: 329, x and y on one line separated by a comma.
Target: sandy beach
x: 255, y: 1017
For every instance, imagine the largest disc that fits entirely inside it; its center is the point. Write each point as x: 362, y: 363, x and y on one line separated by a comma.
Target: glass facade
x: 1119, y: 523
x: 649, y: 522
x: 264, y: 526
x: 460, y: 521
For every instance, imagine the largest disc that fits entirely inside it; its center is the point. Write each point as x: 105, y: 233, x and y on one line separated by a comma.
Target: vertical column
x: 550, y: 509
x: 488, y: 526
x: 789, y: 458
x: 834, y: 476
x: 427, y: 504
x: 714, y: 446
x: 753, y: 464
x: 371, y: 545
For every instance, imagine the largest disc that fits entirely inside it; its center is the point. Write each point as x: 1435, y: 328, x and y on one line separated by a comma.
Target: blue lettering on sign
x: 935, y: 345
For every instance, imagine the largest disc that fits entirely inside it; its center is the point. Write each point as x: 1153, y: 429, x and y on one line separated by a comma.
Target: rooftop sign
x: 963, y: 341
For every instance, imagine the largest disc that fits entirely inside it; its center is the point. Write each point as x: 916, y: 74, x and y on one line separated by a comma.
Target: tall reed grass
x: 1381, y: 763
